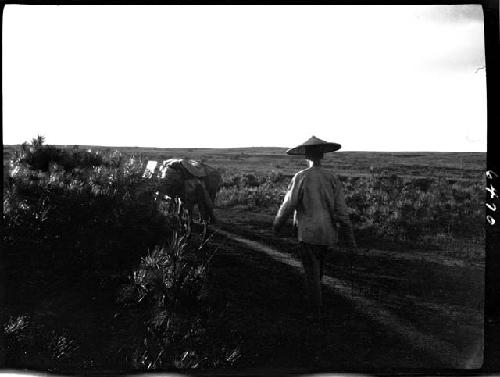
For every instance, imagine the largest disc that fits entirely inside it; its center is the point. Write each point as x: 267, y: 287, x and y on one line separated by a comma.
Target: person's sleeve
x: 341, y: 214
x: 289, y: 203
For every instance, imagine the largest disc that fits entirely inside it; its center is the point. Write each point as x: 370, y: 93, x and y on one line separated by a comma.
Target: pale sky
x: 373, y: 78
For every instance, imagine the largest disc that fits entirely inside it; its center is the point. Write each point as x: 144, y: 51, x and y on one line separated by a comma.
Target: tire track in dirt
x: 444, y: 351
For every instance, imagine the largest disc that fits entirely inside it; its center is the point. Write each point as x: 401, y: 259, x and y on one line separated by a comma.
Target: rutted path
x: 448, y: 354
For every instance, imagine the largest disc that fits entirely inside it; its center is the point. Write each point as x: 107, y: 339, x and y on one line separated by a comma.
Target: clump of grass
x: 179, y: 326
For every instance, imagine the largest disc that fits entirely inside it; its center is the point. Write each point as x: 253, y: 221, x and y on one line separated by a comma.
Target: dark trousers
x: 313, y: 261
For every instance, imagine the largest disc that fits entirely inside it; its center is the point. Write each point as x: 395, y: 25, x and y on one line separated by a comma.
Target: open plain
x: 410, y: 297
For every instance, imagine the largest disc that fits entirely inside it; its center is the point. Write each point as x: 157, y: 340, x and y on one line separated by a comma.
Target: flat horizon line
x: 238, y: 148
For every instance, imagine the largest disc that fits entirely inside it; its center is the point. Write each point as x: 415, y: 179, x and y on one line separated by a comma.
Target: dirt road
x: 391, y: 310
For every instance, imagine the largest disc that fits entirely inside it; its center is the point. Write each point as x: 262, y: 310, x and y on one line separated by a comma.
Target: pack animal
x: 194, y: 183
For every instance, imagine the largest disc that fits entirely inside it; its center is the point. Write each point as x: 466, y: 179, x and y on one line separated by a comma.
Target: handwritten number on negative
x: 492, y: 192
x: 490, y: 174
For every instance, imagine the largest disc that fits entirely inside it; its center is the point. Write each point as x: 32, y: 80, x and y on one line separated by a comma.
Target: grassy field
x: 453, y: 165
x: 96, y: 280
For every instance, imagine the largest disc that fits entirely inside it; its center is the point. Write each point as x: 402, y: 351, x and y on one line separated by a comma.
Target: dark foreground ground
x: 264, y: 314
x: 266, y: 310
x: 431, y: 292
x: 436, y: 292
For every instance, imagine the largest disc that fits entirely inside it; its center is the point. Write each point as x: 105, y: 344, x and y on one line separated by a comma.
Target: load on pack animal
x: 195, y: 183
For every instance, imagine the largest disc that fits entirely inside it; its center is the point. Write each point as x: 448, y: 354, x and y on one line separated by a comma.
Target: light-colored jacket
x: 316, y: 198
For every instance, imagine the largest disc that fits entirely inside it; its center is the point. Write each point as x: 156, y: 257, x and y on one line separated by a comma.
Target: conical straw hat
x: 314, y: 142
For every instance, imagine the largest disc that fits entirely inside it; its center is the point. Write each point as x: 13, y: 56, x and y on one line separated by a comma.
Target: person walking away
x: 315, y: 196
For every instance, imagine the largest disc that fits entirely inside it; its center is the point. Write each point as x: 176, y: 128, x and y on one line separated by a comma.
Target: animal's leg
x: 205, y: 203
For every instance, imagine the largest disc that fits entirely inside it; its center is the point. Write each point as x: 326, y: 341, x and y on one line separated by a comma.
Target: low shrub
x: 180, y: 328
x: 74, y: 229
